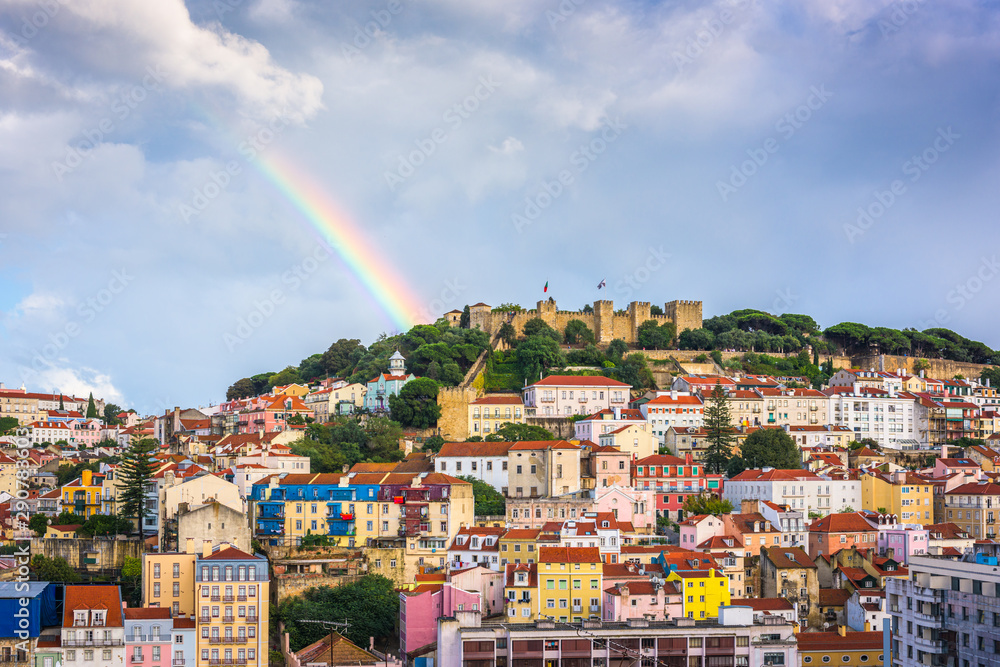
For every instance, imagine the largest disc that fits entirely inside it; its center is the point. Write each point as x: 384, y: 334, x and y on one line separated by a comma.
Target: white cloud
x: 76, y: 381
x: 138, y: 38
x: 509, y: 146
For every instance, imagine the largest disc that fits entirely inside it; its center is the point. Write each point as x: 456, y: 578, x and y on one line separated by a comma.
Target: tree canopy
x: 511, y: 432
x: 770, y: 448
x: 370, y: 604
x: 719, y: 431
x: 652, y: 335
x: 489, y: 501
x: 704, y: 503
x: 416, y: 404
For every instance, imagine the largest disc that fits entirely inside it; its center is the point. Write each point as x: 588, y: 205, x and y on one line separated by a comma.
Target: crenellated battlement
x: 603, y: 321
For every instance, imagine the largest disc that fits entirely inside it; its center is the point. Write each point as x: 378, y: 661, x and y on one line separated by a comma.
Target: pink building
x: 606, y: 421
x: 699, y: 528
x: 634, y: 506
x: 148, y: 636
x: 489, y: 583
x: 265, y: 414
x: 905, y: 540
x: 567, y: 395
x: 648, y: 599
x: 420, y: 609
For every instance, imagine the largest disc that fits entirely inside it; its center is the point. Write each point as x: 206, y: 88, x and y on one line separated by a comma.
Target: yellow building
x: 168, y: 581
x: 8, y: 474
x: 521, y: 592
x: 489, y: 413
x: 907, y: 495
x: 850, y: 649
x: 570, y: 583
x: 83, y: 495
x: 519, y: 545
x: 298, y: 390
x: 231, y: 594
x: 703, y: 592
x: 21, y: 406
x: 62, y: 532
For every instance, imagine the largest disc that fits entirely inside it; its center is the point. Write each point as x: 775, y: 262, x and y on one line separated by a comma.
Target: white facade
x: 676, y: 410
x: 799, y: 489
x: 565, y: 396
x: 887, y: 419
x: 861, y: 609
x: 485, y: 461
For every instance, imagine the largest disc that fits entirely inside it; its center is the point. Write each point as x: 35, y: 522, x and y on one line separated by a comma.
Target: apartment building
x: 568, y: 395
x: 884, y: 416
x: 947, y: 612
x: 902, y: 493
x: 799, y: 489
x: 148, y: 637
x: 733, y: 638
x: 606, y: 421
x: 840, y: 531
x: 543, y: 468
x: 486, y: 461
x: 489, y: 413
x: 569, y: 583
x: 93, y: 630
x: 974, y: 508
x: 790, y: 574
x: 232, y: 599
x: 673, y: 479
x: 673, y: 410
x: 167, y: 580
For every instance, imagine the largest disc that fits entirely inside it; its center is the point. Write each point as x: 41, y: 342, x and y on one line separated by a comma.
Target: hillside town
x: 511, y: 487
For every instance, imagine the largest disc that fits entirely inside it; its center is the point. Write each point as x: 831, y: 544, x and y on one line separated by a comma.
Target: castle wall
x: 604, y: 322
x: 454, y: 419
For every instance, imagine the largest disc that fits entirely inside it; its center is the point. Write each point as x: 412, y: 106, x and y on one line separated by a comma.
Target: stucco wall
x: 109, y: 553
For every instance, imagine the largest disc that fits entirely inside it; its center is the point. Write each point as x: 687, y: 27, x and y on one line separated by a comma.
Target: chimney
x: 673, y: 394
x: 842, y: 630
x: 206, y: 548
x: 618, y: 413
x: 922, y: 373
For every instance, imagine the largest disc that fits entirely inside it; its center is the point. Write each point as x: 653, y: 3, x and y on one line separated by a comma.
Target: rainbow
x: 342, y: 236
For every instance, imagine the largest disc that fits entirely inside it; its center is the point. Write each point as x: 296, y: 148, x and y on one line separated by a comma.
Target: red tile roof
x: 833, y: 597
x: 849, y: 522
x: 498, y: 400
x: 140, y: 613
x: 774, y: 474
x: 475, y: 449
x: 229, y: 553
x: 107, y: 598
x: 833, y: 641
x: 579, y: 381
x: 543, y: 444
x: 569, y: 555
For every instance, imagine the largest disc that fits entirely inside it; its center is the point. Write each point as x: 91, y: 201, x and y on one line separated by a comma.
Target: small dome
x: 397, y: 355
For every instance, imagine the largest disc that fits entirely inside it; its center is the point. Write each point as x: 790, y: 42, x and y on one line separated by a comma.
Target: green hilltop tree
x: 91, y: 407
x: 135, y: 471
x: 770, y: 448
x: 416, y: 405
x: 719, y: 431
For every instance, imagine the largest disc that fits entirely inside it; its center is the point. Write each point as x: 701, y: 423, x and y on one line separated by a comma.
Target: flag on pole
x: 546, y: 288
x: 601, y: 284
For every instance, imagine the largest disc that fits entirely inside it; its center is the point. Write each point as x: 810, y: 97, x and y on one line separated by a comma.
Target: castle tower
x: 480, y: 317
x: 684, y: 314
x: 397, y: 364
x: 547, y: 311
x: 604, y: 321
x: 638, y: 312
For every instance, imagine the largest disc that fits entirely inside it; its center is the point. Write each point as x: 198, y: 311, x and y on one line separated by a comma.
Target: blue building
x: 287, y: 507
x: 387, y: 384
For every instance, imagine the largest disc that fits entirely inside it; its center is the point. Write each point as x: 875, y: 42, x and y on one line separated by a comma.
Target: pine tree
x: 718, y: 431
x: 134, y: 473
x: 91, y: 408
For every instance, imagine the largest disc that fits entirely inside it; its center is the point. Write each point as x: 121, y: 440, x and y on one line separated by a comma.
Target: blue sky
x: 838, y: 159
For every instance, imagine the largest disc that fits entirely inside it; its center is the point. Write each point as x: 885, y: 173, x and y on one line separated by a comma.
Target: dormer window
x: 79, y: 618
x: 605, y: 524
x: 98, y: 618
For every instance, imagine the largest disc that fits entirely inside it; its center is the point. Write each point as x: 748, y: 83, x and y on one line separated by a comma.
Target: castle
x: 603, y: 321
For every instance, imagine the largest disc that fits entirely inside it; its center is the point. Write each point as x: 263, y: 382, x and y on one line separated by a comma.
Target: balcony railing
x: 227, y: 619
x: 93, y: 642
x: 204, y: 619
x: 215, y: 598
x: 177, y: 662
x: 252, y: 618
x: 228, y: 598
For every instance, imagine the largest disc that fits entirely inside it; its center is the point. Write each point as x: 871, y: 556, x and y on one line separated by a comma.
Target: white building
x: 568, y: 395
x: 884, y: 416
x: 486, y: 461
x: 865, y: 612
x: 93, y: 628
x: 606, y: 421
x: 474, y: 546
x: 673, y: 409
x: 799, y: 489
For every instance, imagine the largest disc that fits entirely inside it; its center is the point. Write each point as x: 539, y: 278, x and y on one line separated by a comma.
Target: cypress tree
x: 91, y: 407
x: 134, y: 472
x: 719, y: 431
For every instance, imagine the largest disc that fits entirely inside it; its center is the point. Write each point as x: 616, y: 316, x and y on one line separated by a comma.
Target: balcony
x: 177, y: 662
x: 135, y: 638
x: 93, y: 642
x: 252, y: 618
x: 241, y: 598
x: 228, y: 598
x: 215, y: 598
x: 135, y: 658
x: 935, y: 645
x: 204, y: 619
x: 227, y: 619
x: 577, y: 608
x: 595, y: 608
